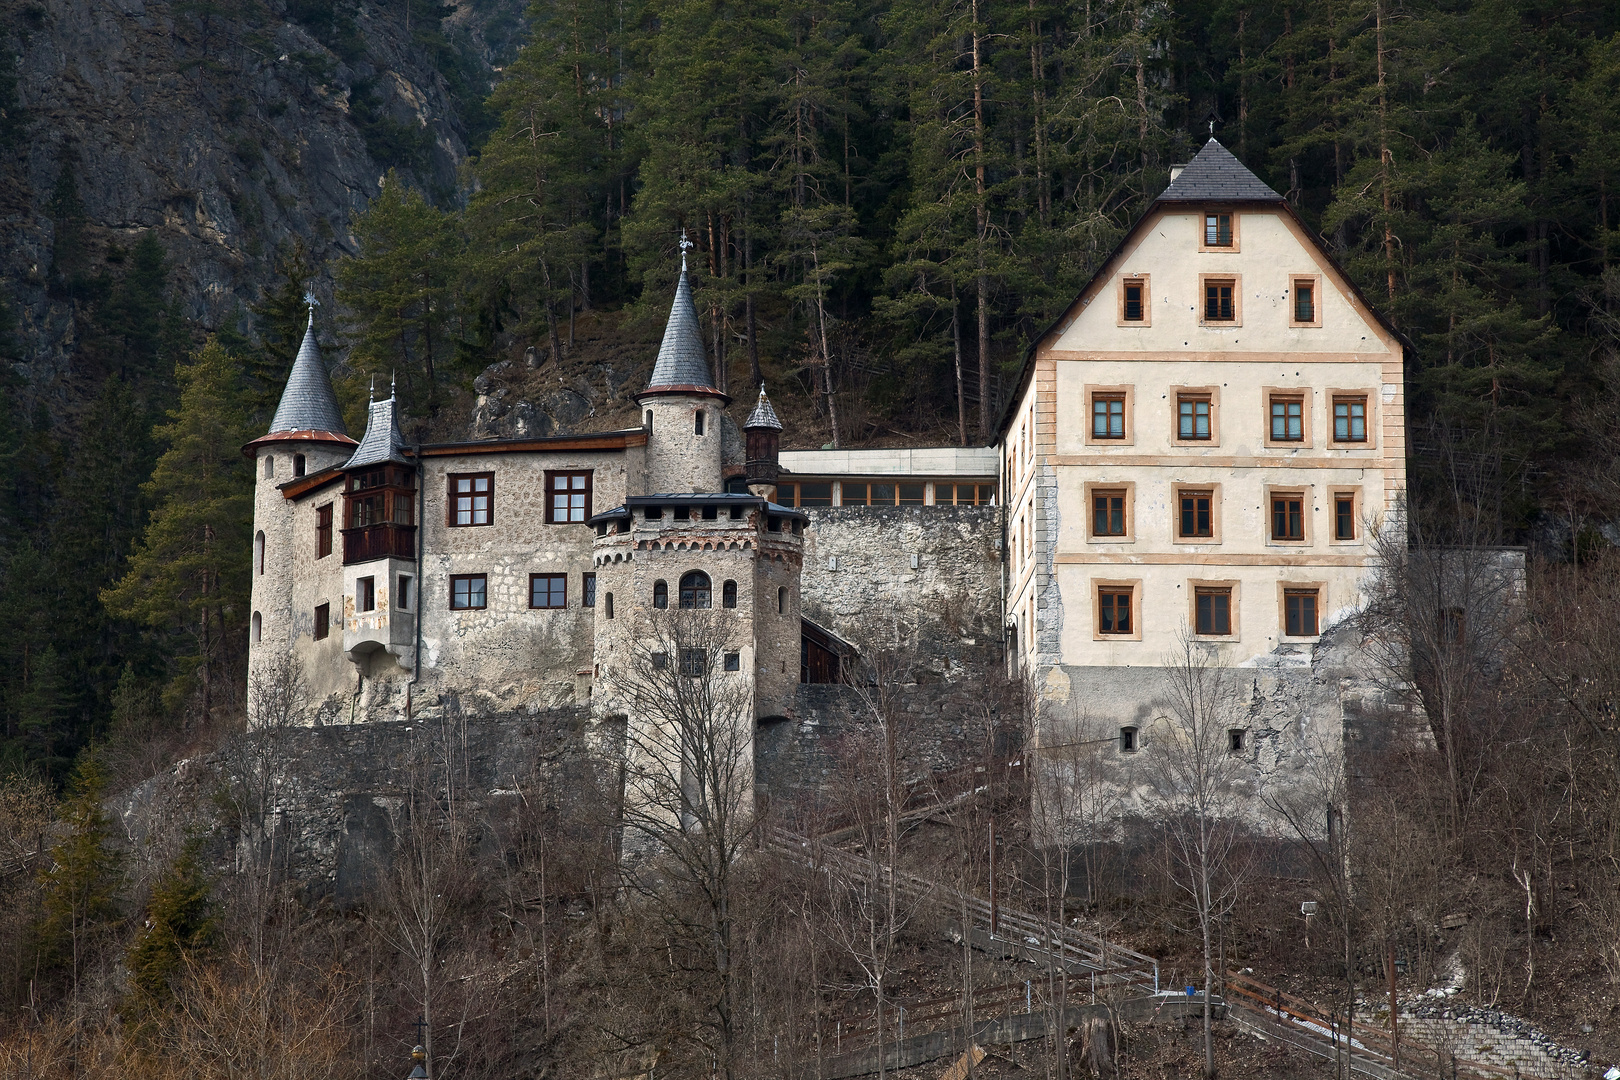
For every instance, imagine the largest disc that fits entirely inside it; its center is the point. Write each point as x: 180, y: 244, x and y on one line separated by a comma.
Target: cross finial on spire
x: 685, y: 243
x: 309, y: 298
x: 391, y: 386
x: 371, y: 390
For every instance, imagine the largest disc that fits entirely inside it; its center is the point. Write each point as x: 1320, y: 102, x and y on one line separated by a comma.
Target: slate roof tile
x: 1214, y: 175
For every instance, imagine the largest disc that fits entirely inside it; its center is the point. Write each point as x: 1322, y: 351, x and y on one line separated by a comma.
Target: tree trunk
x: 961, y: 390
x: 983, y: 213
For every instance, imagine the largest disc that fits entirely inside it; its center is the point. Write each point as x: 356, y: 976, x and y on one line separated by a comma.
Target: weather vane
x: 309, y: 298
x: 685, y: 243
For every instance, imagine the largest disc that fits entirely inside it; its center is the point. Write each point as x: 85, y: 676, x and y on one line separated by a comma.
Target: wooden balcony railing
x: 379, y: 542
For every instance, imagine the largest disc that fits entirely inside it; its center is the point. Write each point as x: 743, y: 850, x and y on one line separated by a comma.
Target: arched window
x: 697, y: 424
x: 607, y: 603
x: 269, y: 466
x: 298, y: 464
x: 695, y: 590
x: 660, y: 594
x: 649, y: 420
x: 781, y: 601
x: 728, y: 594
x: 258, y: 627
x: 258, y: 552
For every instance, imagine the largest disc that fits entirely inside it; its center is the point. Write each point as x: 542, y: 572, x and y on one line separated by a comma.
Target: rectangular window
x: 813, y: 494
x: 1114, y: 611
x: 402, y: 594
x: 911, y: 494
x: 1217, y: 230
x: 1134, y: 301
x: 1196, y: 519
x: 471, y: 498
x: 323, y: 621
x: 733, y: 661
x: 365, y: 594
x: 694, y: 663
x: 1288, y: 517
x: 1304, y: 301
x: 588, y: 590
x: 1218, y: 302
x: 1287, y: 419
x: 568, y: 497
x: 467, y: 592
x: 1349, y: 419
x: 1344, y: 516
x: 1192, y: 417
x: 1108, y: 416
x: 1107, y: 513
x: 1213, y: 611
x: 548, y: 590
x: 323, y: 531
x: 965, y: 494
x: 1299, y: 612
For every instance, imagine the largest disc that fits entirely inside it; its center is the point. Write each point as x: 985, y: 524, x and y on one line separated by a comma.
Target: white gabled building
x: 1204, y: 441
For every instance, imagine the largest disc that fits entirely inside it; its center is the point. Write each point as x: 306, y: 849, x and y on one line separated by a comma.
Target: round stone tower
x: 306, y: 438
x: 681, y: 407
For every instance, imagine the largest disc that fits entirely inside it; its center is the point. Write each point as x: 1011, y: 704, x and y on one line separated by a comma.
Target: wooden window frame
x: 1232, y: 587
x: 323, y: 530
x: 451, y: 599
x: 1357, y: 529
x: 548, y: 577
x: 1307, y: 418
x: 1213, y: 395
x: 1234, y: 247
x: 1315, y: 283
x: 1214, y: 490
x: 323, y: 622
x: 1369, y: 401
x: 1284, y: 588
x: 365, y: 587
x: 1128, y: 393
x: 1091, y: 490
x: 589, y: 490
x: 1147, y: 300
x: 1206, y: 280
x: 1133, y: 586
x: 1282, y: 491
x: 451, y: 494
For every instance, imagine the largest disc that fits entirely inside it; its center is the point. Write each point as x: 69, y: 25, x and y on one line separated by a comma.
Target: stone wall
x: 1486, y: 1036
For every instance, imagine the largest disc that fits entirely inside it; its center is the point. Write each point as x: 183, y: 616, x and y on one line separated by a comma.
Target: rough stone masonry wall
x: 1487, y: 1036
x: 324, y: 801
x: 944, y: 613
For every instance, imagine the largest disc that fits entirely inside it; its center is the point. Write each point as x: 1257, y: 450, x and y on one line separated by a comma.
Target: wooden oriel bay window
x: 379, y: 513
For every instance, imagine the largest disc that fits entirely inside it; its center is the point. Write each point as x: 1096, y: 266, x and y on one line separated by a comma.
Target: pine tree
x: 81, y: 887
x: 188, y: 576
x: 401, y: 294
x: 179, y: 925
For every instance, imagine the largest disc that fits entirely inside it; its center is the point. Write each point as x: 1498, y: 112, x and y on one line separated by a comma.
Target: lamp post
x: 418, y: 1064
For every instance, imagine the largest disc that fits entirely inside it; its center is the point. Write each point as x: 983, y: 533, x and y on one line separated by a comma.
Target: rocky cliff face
x: 229, y: 129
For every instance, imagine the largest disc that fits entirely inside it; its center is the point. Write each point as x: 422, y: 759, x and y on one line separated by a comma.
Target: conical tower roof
x: 382, y: 442
x: 683, y: 363
x: 308, y: 404
x: 763, y: 415
x: 1214, y: 175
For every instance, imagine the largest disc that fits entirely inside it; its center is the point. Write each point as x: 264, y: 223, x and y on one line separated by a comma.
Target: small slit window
x: 298, y: 464
x: 781, y: 601
x: 607, y: 604
x: 1127, y: 740
x: 697, y: 423
x: 258, y: 627
x: 1236, y: 739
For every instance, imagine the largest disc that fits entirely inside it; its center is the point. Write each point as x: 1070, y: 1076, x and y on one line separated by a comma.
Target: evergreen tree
x: 179, y: 925
x: 401, y: 294
x: 188, y: 575
x: 80, y: 906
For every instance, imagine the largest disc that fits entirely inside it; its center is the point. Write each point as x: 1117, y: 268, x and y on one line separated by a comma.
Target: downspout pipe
x: 421, y: 541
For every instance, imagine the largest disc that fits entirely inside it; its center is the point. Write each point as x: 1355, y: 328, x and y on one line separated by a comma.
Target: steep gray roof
x: 1214, y: 175
x: 682, y: 360
x: 763, y: 415
x: 308, y: 404
x: 382, y: 442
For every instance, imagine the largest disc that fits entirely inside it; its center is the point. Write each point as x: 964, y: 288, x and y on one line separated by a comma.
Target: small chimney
x: 1175, y: 171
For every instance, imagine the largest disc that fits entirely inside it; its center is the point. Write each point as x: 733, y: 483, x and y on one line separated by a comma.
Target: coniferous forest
x: 886, y: 203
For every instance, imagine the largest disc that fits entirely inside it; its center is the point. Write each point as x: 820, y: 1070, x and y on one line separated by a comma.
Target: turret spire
x: 683, y: 362
x: 307, y: 403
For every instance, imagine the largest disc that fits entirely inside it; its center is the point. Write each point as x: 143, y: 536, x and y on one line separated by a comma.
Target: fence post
x: 1029, y: 1002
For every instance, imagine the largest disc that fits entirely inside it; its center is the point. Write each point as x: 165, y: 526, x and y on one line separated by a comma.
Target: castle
x: 1203, y: 444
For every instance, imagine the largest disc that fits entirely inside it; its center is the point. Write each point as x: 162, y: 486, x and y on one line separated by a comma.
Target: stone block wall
x: 1486, y: 1036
